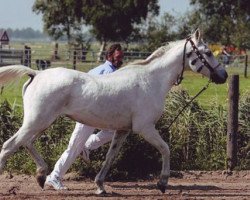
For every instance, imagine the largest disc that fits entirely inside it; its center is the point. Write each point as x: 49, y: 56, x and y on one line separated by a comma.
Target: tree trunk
x: 101, y: 54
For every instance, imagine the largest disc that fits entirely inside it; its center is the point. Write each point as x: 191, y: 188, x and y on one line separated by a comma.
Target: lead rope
x: 187, y: 104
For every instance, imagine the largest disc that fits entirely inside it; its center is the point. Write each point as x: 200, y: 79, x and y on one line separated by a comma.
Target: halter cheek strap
x: 200, y: 57
x: 180, y: 77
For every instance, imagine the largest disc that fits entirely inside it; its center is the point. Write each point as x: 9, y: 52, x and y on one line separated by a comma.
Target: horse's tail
x: 12, y: 72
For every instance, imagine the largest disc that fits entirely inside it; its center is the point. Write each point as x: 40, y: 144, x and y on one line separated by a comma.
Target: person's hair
x: 112, y: 49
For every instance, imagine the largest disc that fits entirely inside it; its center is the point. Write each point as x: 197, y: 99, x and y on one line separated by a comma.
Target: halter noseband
x: 200, y: 57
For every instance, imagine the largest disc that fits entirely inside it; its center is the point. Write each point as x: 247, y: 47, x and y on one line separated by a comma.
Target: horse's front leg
x: 151, y: 135
x: 118, y: 138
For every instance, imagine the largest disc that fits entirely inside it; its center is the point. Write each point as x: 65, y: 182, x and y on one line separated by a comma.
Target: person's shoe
x: 85, y: 155
x: 55, y: 183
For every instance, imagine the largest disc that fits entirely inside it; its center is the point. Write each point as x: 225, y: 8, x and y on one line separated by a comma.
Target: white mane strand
x: 156, y: 54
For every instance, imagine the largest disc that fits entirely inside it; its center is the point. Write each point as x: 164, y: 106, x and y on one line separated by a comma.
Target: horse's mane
x: 156, y: 54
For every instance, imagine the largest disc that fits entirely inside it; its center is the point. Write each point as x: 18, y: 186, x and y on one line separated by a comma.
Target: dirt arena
x: 185, y: 185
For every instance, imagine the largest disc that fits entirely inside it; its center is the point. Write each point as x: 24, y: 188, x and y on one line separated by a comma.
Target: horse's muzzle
x: 219, y: 76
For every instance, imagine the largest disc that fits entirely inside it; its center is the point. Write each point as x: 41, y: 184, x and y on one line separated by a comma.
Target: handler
x: 83, y: 139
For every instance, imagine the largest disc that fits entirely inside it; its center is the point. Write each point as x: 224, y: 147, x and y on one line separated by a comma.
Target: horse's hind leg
x: 12, y: 145
x: 152, y: 136
x: 42, y: 167
x: 25, y: 137
x: 118, y: 139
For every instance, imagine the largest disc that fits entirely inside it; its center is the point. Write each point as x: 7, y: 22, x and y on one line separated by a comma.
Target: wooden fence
x: 15, y: 56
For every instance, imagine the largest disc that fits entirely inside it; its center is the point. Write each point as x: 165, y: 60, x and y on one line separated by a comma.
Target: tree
x: 114, y: 20
x: 227, y: 21
x: 159, y: 31
x: 188, y: 23
x: 60, y: 17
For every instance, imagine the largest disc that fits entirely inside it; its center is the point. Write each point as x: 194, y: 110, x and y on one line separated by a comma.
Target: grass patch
x: 215, y: 94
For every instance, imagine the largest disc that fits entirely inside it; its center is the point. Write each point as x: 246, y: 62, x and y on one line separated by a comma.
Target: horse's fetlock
x: 41, y: 171
x: 41, y: 178
x: 164, y: 179
x: 162, y: 183
x: 162, y: 187
x: 99, y: 182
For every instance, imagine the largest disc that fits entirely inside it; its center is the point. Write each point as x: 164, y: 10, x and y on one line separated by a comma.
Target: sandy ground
x: 189, y: 185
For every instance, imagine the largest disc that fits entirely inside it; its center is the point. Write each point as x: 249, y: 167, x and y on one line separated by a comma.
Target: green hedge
x: 197, y: 141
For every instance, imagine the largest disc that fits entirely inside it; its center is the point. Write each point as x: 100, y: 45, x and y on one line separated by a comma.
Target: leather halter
x: 199, y: 56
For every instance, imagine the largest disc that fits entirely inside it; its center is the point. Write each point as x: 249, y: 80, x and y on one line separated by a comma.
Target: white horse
x: 130, y: 99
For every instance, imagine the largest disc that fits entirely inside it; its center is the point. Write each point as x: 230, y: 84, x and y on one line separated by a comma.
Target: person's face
x: 116, y: 58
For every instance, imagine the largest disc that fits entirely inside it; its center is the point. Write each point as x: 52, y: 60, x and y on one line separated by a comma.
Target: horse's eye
x: 208, y: 53
x: 189, y: 54
x: 194, y: 61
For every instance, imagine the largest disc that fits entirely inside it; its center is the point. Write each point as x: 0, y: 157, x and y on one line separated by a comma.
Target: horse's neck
x: 168, y: 67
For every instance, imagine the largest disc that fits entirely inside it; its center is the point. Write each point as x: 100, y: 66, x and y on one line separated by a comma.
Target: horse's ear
x: 198, y: 35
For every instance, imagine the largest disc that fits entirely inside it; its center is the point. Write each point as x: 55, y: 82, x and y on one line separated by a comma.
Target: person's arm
x: 107, y: 71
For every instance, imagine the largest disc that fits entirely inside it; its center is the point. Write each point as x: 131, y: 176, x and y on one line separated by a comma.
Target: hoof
x: 100, y: 192
x: 161, y: 187
x: 41, y: 180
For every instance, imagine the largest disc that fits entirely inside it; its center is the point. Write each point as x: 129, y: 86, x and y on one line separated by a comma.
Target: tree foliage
x: 110, y: 20
x: 225, y: 21
x: 25, y: 33
x: 115, y: 20
x: 159, y: 31
x: 60, y: 17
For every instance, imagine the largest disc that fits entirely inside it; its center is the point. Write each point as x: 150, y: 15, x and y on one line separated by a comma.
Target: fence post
x: 245, y: 71
x: 55, y: 55
x: 232, y: 122
x: 27, y: 56
x: 74, y: 59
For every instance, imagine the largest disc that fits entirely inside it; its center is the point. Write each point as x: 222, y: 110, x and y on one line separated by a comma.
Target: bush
x: 197, y: 139
x: 9, y: 121
x: 244, y: 133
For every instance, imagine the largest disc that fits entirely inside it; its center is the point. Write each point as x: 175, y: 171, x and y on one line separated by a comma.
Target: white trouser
x: 80, y: 135
x: 96, y: 140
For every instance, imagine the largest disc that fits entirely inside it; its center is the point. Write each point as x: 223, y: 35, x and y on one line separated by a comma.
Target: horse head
x: 201, y: 59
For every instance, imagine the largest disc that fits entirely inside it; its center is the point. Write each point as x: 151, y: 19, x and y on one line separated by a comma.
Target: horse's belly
x: 114, y: 121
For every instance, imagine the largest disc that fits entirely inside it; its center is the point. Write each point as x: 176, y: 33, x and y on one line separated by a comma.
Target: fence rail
x: 78, y: 58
